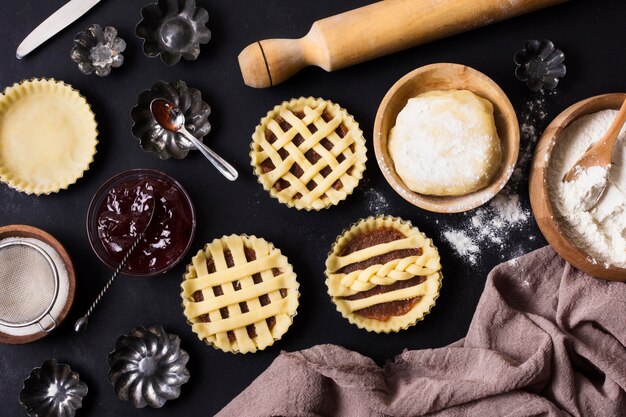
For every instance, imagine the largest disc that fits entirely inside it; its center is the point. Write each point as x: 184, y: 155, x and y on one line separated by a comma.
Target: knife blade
x: 57, y: 21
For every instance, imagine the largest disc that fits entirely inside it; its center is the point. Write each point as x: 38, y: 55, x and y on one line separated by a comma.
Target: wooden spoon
x: 598, y: 155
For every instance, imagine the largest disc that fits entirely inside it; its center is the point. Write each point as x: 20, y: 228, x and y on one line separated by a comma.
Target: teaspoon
x: 172, y: 118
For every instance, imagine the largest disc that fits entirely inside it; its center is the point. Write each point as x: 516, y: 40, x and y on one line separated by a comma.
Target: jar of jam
x: 120, y: 211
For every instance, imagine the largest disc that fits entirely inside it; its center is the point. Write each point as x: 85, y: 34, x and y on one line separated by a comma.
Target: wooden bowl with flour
x: 445, y: 76
x: 543, y: 208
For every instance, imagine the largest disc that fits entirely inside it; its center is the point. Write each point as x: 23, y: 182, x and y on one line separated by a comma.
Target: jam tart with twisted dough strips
x: 240, y: 294
x: 383, y: 274
x: 309, y: 153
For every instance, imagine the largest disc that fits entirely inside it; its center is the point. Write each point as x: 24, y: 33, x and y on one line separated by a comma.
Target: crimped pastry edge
x: 396, y: 323
x: 6, y: 99
x: 258, y: 135
x: 189, y: 270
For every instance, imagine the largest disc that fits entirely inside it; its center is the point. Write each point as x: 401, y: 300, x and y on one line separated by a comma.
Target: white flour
x: 463, y: 244
x: 585, y: 189
x: 376, y: 202
x: 490, y: 226
x: 601, y: 231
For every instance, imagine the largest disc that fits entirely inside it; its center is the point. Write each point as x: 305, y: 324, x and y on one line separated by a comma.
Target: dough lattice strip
x: 341, y: 285
x: 297, y: 155
x: 241, y: 294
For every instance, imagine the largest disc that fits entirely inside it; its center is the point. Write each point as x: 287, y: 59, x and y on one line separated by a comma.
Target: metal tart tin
x: 53, y: 390
x: 153, y: 137
x: 97, y: 50
x: 96, y: 202
x: 540, y: 65
x: 173, y: 29
x: 152, y: 357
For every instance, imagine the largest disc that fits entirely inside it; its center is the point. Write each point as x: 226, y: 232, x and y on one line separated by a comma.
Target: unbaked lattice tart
x: 383, y: 274
x: 309, y: 153
x: 240, y: 294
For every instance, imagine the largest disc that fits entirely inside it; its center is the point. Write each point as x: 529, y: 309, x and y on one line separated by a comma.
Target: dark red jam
x: 124, y: 213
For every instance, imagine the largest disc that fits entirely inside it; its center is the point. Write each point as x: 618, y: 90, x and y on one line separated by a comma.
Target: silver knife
x: 58, y: 21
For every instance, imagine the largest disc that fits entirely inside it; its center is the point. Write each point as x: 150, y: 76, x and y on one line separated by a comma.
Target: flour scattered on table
x: 375, y: 201
x: 463, y: 244
x: 489, y: 227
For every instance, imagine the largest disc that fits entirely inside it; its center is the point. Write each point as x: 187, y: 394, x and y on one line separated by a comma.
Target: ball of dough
x: 445, y: 143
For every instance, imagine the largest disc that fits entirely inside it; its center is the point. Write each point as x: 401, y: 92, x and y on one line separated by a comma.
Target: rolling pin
x: 372, y: 31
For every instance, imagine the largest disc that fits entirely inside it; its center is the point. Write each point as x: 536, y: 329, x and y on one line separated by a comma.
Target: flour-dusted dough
x: 446, y: 143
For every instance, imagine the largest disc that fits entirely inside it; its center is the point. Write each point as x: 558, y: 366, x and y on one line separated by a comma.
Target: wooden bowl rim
x: 549, y: 226
x: 22, y: 230
x: 452, y: 204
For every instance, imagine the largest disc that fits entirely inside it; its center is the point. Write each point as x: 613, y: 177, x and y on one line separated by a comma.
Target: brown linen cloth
x: 546, y: 340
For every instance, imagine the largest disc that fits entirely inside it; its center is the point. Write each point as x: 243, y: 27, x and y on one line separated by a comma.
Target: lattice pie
x: 383, y: 274
x: 309, y: 153
x: 240, y: 294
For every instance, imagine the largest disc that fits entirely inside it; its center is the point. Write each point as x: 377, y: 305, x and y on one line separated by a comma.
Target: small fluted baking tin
x: 97, y: 50
x: 150, y: 357
x: 173, y: 29
x: 153, y: 137
x: 40, y: 88
x: 540, y: 64
x: 53, y: 390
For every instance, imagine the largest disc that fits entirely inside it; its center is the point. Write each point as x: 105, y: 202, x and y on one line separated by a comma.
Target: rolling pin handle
x: 270, y: 62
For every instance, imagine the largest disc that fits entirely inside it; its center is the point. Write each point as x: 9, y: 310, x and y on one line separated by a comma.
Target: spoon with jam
x: 172, y: 118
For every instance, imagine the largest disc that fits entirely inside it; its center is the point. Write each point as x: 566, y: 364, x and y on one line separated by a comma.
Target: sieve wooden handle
x: 372, y: 31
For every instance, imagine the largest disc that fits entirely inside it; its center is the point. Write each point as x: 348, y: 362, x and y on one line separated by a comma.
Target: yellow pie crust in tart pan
x: 240, y: 294
x: 48, y: 136
x: 309, y: 153
x: 383, y: 274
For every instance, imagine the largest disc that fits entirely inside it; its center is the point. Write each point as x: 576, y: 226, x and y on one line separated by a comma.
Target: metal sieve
x: 29, y: 286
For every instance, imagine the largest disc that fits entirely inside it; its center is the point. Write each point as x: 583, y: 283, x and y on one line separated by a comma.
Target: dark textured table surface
x: 589, y: 32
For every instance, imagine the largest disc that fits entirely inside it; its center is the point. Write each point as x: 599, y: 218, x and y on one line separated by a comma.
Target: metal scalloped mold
x: 53, y: 390
x: 173, y: 29
x: 540, y: 64
x: 153, y: 137
x: 97, y: 50
x: 148, y: 367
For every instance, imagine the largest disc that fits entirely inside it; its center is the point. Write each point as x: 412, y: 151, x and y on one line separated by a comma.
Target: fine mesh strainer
x: 29, y: 280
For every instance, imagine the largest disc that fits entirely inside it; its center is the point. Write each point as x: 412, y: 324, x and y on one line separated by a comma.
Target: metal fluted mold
x: 540, y: 65
x: 173, y: 29
x: 53, y: 391
x: 148, y: 367
x: 153, y: 137
x: 98, y: 50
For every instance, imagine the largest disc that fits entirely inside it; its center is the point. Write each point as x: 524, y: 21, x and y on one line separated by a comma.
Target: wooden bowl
x: 539, y: 198
x: 446, y: 76
x: 24, y: 231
